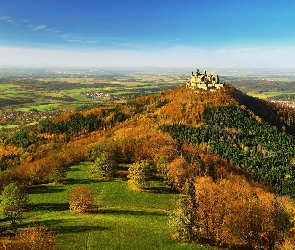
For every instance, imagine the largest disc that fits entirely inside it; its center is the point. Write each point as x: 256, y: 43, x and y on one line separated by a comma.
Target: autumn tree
x: 107, y: 146
x: 212, y: 211
x: 138, y: 174
x: 58, y: 174
x: 103, y: 167
x: 35, y: 237
x: 262, y: 221
x: 179, y: 171
x: 176, y: 173
x: 231, y: 212
x: 82, y: 199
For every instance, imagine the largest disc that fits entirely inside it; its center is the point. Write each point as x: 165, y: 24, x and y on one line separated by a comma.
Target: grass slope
x: 124, y: 220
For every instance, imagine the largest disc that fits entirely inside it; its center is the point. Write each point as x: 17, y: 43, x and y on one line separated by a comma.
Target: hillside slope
x: 225, y: 142
x: 245, y: 131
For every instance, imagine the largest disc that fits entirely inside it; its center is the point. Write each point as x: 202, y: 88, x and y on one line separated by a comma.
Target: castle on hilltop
x: 203, y: 81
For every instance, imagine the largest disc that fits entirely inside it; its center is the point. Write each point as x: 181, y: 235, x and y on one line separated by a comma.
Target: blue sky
x: 161, y: 33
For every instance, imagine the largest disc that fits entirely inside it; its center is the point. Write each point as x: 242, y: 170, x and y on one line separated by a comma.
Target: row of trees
x: 70, y: 124
x: 233, y: 213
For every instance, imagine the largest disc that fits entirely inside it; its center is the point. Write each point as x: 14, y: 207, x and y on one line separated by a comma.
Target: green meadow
x: 124, y: 219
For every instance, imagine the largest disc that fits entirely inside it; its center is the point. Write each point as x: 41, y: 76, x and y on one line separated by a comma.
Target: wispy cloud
x: 8, y: 20
x: 39, y: 27
x: 91, y: 41
x: 237, y: 50
x: 74, y: 41
x: 34, y: 27
x: 222, y: 51
x: 28, y: 26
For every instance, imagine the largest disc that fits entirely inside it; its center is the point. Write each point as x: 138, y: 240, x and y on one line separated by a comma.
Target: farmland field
x: 25, y: 98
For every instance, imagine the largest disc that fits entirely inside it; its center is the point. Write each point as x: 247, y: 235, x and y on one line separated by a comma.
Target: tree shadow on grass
x: 77, y: 229
x: 40, y: 189
x: 60, y: 227
x: 72, y: 181
x: 49, y: 207
x: 160, y: 190
x: 73, y: 169
x: 131, y: 212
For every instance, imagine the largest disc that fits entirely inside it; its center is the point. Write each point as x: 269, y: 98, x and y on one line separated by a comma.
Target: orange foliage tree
x: 82, y: 199
x: 36, y: 237
x: 232, y: 212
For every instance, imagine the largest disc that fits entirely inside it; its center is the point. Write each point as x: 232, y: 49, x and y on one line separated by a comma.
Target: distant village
x: 285, y: 103
x: 93, y: 95
x: 13, y: 116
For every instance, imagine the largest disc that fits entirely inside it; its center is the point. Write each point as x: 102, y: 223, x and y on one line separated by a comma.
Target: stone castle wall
x: 204, y: 81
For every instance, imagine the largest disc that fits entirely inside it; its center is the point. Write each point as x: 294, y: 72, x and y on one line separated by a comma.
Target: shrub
x: 82, y: 199
x: 31, y: 238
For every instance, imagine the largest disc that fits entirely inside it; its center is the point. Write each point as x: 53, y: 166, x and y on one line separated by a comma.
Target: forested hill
x: 221, y: 149
x: 228, y: 117
x: 282, y: 117
x: 244, y: 130
x: 193, y: 105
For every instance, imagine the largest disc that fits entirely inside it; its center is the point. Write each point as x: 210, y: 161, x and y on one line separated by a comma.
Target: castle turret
x: 204, y: 81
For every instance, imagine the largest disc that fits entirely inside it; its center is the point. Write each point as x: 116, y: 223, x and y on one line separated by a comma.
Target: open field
x: 269, y: 94
x: 38, y: 93
x: 124, y: 220
x: 52, y: 92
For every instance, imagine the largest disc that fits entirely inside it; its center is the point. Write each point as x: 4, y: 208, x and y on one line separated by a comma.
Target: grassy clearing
x: 125, y: 219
